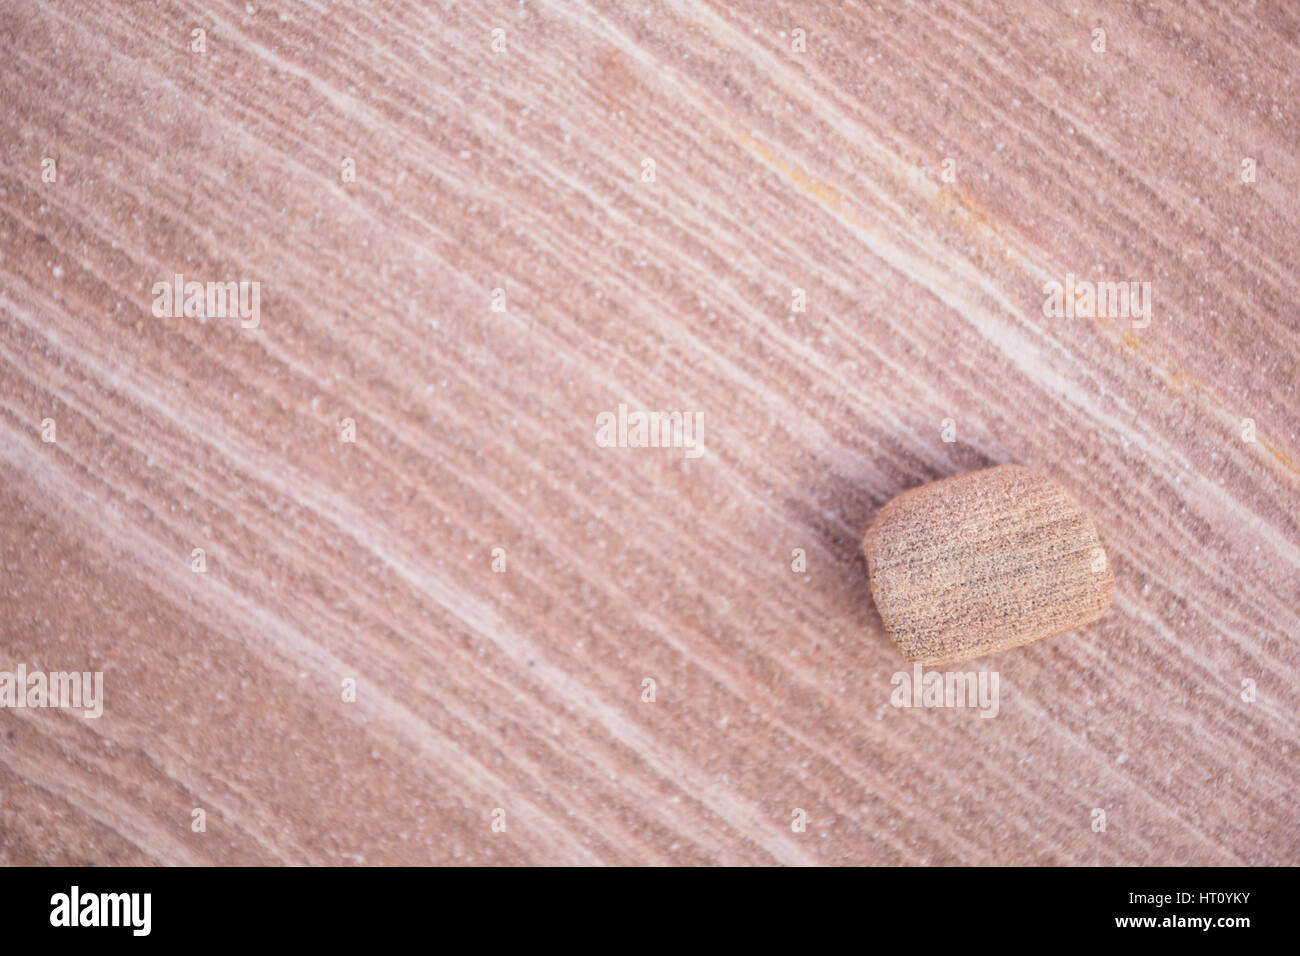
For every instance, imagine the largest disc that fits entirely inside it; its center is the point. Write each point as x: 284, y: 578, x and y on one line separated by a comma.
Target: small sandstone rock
x: 984, y: 562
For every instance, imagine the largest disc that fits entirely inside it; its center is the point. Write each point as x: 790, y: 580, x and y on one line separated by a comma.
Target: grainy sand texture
x: 368, y: 577
x: 984, y: 562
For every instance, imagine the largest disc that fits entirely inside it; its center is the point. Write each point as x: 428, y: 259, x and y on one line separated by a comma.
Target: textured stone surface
x: 982, y: 562
x: 522, y: 170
